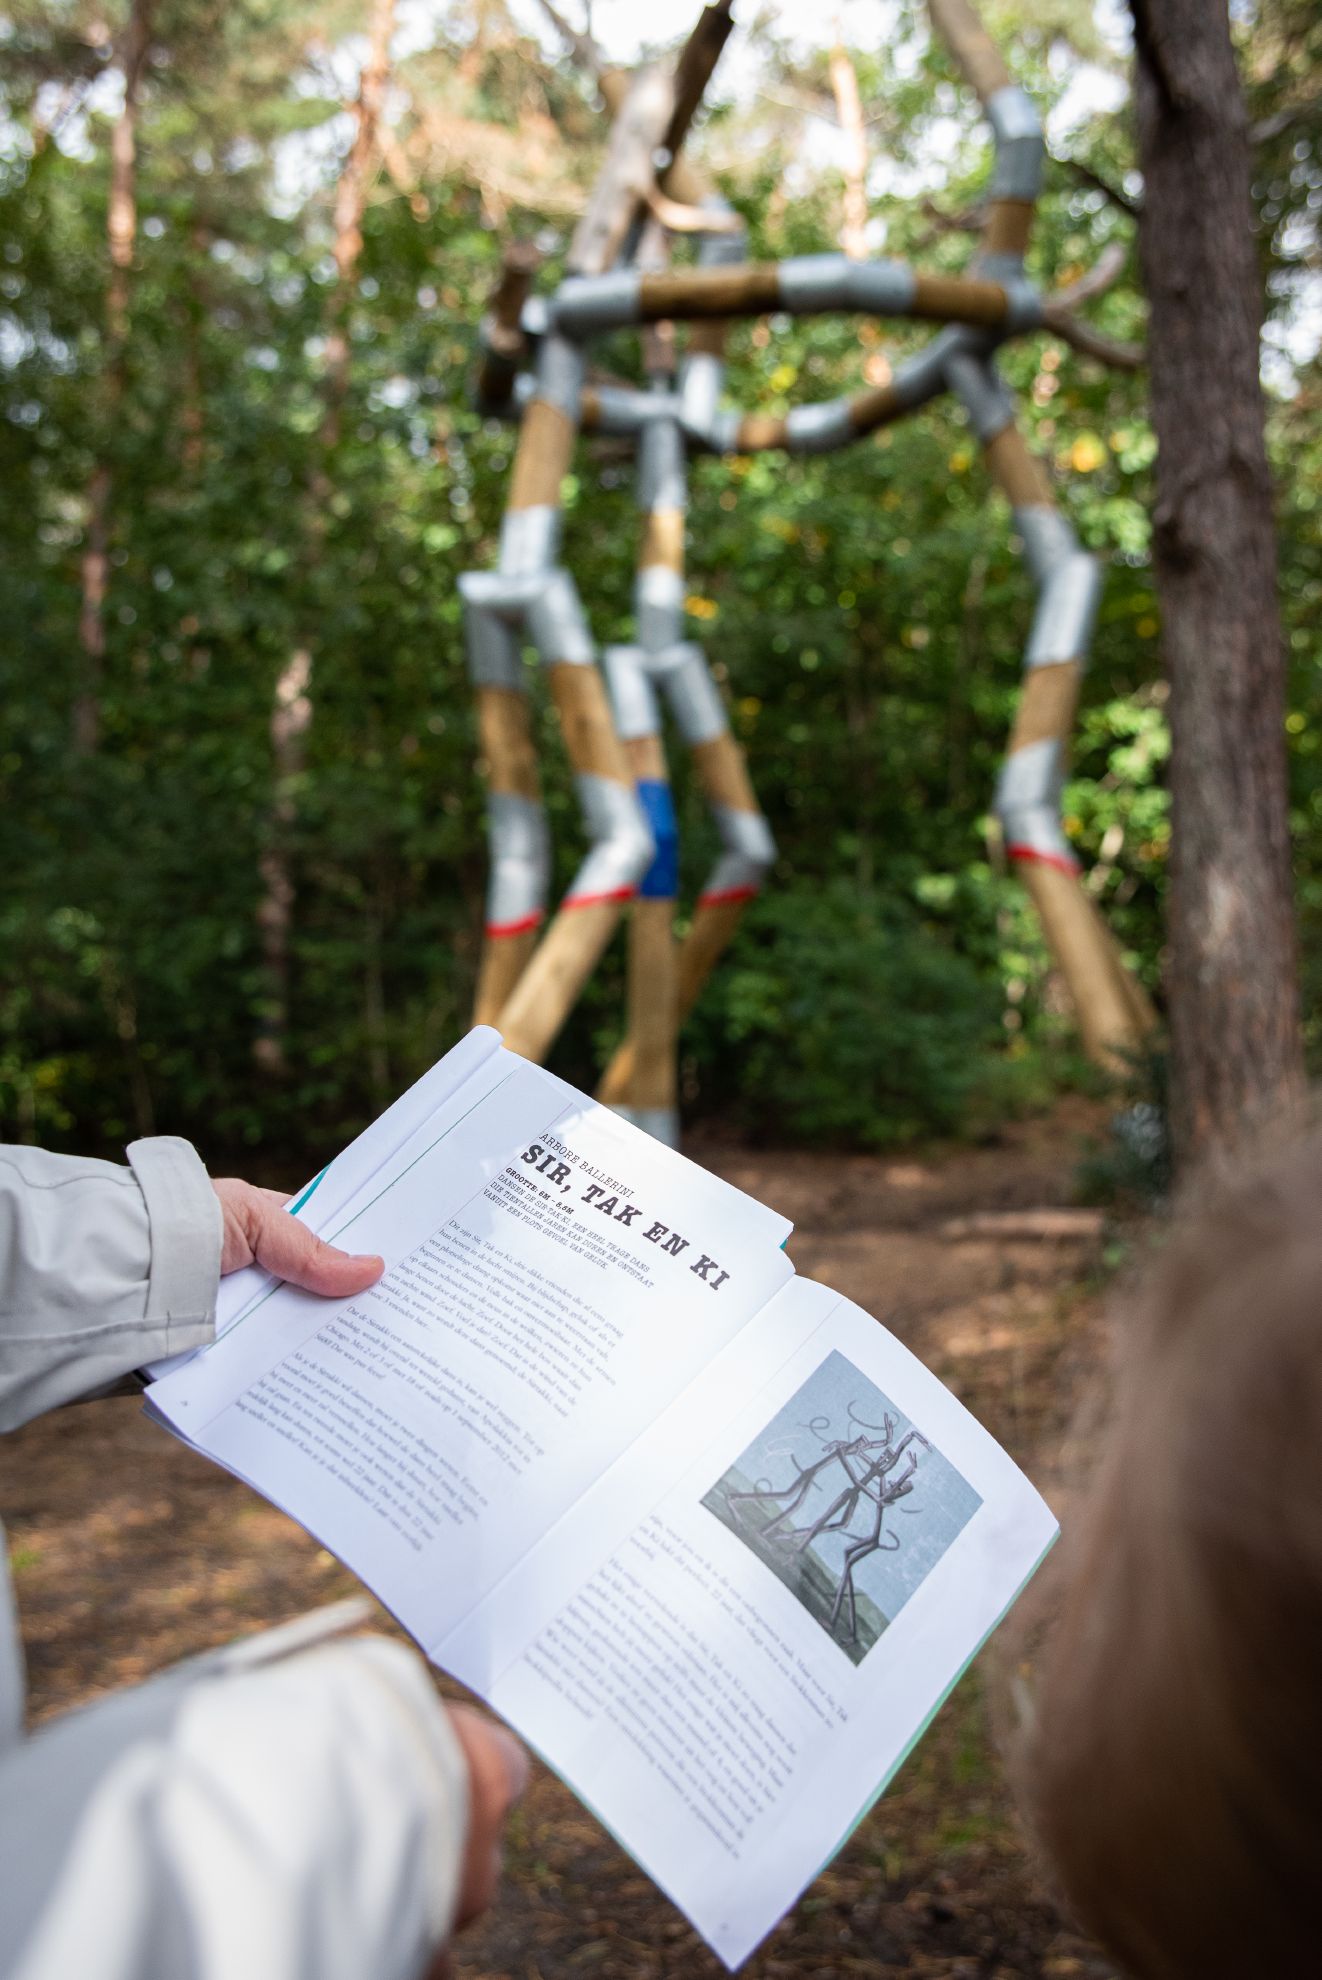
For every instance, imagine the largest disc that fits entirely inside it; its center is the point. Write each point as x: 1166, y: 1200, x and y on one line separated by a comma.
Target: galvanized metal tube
x: 1066, y: 610
x: 1114, y: 1014
x: 690, y: 691
x: 1020, y: 146
x: 586, y: 305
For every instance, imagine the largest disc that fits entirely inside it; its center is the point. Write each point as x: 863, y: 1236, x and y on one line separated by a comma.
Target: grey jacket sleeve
x: 300, y: 1820
x: 236, y: 1819
x: 102, y: 1269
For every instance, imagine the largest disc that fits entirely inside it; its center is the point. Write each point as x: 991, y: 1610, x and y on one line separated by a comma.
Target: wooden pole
x: 976, y: 54
x: 553, y: 979
x: 689, y: 295
x: 510, y: 762
x: 1009, y: 220
x: 652, y: 1027
x: 723, y: 774
x: 1114, y: 1014
x: 653, y: 1001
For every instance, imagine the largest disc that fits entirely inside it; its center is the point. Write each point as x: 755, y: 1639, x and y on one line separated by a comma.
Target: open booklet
x: 705, y: 1533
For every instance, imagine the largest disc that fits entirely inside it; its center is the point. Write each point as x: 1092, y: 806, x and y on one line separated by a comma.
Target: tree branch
x: 678, y: 218
x: 1280, y: 121
x: 1103, y: 275
x: 1059, y: 314
x: 969, y: 221
x: 693, y: 71
x: 1088, y: 177
x: 581, y: 46
x: 1081, y: 337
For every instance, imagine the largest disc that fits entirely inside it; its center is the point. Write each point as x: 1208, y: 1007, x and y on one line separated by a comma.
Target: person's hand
x: 259, y: 1231
x: 497, y: 1776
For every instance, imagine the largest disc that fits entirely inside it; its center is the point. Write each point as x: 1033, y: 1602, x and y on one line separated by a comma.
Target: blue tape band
x: 661, y: 880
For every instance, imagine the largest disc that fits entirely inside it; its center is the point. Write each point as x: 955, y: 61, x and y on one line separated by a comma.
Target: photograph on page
x: 846, y: 1502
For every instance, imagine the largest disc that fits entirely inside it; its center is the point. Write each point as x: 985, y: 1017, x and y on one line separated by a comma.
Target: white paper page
x: 323, y: 1200
x: 554, y: 1278
x: 692, y: 1687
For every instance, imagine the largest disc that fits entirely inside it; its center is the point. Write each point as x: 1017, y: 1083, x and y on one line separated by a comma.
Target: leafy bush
x: 1130, y: 1169
x: 844, y: 1018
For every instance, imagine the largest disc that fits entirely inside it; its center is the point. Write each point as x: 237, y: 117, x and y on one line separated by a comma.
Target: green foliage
x: 865, y: 612
x: 1129, y: 1168
x: 846, y: 1019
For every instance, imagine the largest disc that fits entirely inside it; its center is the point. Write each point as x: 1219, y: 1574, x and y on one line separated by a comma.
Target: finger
x: 288, y: 1249
x: 498, y: 1774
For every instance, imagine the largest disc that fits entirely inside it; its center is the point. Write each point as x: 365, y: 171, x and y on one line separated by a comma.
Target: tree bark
x: 292, y: 704
x: 121, y: 235
x: 1235, y: 1042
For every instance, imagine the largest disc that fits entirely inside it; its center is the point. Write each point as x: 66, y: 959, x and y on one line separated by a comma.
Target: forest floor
x: 130, y: 1551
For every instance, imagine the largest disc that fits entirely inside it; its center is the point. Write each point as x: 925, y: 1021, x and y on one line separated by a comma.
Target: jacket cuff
x: 183, y: 1213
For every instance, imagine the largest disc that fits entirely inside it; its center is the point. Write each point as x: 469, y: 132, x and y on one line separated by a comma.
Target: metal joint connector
x: 583, y: 305
x: 691, y: 692
x: 976, y: 385
x: 622, y: 844
x: 632, y: 696
x: 701, y: 378
x: 1066, y: 611
x: 1017, y: 133
x: 520, y: 860
x: 1027, y: 800
x: 556, y: 623
x: 819, y: 429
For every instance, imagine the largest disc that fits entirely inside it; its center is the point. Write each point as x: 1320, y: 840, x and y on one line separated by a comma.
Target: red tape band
x: 1061, y: 861
x: 596, y: 900
x: 496, y: 931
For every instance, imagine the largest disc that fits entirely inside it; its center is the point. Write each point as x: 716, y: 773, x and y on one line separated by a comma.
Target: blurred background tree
x: 1235, y: 1045
x: 164, y: 394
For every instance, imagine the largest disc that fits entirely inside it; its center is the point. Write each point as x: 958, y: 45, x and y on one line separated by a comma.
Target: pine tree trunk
x: 121, y: 232
x: 292, y: 705
x: 1235, y: 1043
x: 849, y: 114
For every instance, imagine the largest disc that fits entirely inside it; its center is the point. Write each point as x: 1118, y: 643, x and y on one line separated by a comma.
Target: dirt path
x: 130, y: 1552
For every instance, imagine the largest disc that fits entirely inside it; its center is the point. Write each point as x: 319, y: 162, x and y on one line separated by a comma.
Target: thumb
x: 289, y: 1249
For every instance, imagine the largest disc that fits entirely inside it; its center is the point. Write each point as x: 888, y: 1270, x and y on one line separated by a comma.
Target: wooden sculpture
x: 534, y: 369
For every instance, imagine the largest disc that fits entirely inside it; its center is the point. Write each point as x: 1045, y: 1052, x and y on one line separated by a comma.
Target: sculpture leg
x: 1114, y: 1014
x: 748, y: 853
x: 651, y: 1099
x: 530, y: 591
x: 621, y: 847
x: 748, y: 850
x: 516, y: 820
x: 681, y: 670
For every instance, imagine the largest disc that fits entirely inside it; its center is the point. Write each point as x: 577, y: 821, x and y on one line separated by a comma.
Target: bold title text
x: 610, y: 1201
